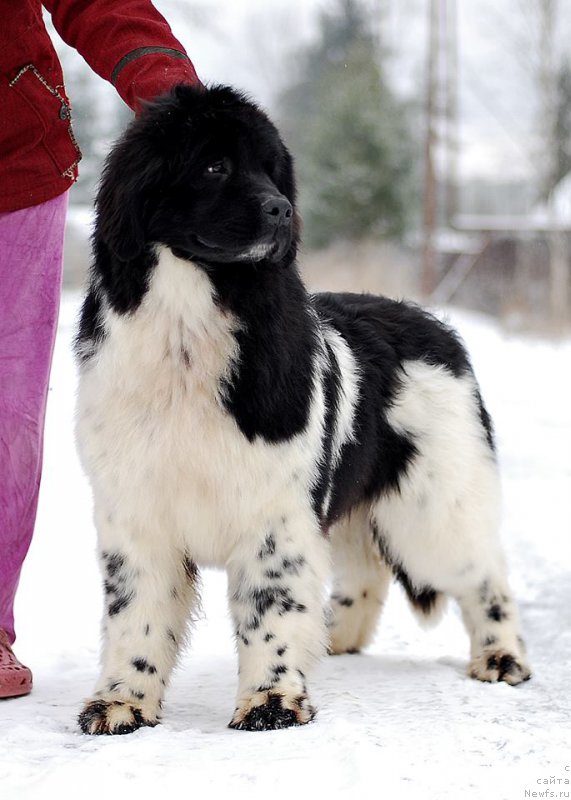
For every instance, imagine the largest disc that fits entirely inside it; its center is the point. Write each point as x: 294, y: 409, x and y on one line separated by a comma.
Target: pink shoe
x: 15, y: 678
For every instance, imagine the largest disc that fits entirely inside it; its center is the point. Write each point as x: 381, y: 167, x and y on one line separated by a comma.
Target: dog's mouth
x: 205, y: 243
x: 272, y: 250
x: 265, y: 250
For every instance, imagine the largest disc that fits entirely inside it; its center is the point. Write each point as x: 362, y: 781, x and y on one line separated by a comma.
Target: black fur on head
x: 204, y: 172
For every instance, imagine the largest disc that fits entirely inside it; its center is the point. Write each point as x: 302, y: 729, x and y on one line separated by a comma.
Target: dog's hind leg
x: 361, y: 581
x: 276, y: 584
x: 439, y: 527
x: 150, y: 590
x: 456, y: 553
x: 491, y: 619
x: 470, y: 569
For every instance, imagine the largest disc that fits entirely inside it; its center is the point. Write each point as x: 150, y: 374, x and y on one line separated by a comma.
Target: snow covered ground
x: 401, y: 720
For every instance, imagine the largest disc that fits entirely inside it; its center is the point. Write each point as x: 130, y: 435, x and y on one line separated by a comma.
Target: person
x: 130, y: 44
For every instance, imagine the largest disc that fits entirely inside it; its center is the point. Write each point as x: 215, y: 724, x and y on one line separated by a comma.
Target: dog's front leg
x: 276, y: 586
x: 149, y: 591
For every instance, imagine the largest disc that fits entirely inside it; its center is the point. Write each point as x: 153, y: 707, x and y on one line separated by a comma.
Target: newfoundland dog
x: 308, y: 444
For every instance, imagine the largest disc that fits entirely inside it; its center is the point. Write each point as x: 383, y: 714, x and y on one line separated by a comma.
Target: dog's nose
x: 278, y: 209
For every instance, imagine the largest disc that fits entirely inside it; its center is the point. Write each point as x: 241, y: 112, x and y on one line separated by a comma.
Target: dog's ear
x: 130, y: 178
x: 120, y: 221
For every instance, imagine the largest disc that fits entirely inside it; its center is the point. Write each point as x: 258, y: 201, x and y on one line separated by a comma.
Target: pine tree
x: 348, y: 134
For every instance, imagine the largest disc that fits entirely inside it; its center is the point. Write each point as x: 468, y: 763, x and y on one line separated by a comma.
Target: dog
x: 227, y: 417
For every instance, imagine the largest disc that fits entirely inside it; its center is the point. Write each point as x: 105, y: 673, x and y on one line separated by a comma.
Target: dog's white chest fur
x: 154, y: 433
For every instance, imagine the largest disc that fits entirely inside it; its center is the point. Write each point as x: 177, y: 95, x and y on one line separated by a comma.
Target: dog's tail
x: 428, y: 604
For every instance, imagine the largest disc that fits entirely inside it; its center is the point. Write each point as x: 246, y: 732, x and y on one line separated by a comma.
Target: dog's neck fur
x: 250, y: 323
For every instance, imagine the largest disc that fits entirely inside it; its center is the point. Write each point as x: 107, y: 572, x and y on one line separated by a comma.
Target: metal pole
x: 452, y: 133
x: 558, y: 252
x: 428, y: 272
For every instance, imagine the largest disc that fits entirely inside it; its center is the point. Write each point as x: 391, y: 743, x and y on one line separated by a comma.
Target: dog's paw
x: 113, y: 717
x: 341, y: 649
x: 499, y: 665
x: 269, y: 711
x: 343, y: 642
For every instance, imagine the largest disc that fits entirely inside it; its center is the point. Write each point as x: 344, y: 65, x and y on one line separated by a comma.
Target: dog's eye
x: 221, y: 167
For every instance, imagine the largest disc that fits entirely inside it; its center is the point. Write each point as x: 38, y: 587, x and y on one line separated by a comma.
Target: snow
x: 400, y: 720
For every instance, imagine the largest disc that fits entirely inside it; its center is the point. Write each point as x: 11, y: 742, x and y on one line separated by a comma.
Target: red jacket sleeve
x: 127, y: 42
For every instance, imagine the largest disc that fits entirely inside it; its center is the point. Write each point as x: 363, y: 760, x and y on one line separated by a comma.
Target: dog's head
x: 204, y: 172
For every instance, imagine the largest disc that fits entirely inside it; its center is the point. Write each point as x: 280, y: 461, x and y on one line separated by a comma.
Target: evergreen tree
x: 348, y: 134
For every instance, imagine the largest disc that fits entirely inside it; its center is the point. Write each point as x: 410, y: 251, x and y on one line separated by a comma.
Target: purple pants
x: 31, y: 249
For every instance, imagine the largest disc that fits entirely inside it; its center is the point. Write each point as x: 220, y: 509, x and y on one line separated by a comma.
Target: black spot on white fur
x: 113, y: 562
x: 190, y: 568
x: 268, y: 548
x: 118, y: 591
x: 496, y: 613
x: 142, y: 665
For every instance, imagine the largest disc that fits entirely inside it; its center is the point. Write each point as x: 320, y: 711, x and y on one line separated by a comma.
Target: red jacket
x: 127, y: 42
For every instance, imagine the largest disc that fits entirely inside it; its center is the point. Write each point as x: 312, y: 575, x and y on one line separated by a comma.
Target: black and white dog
x: 228, y: 418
